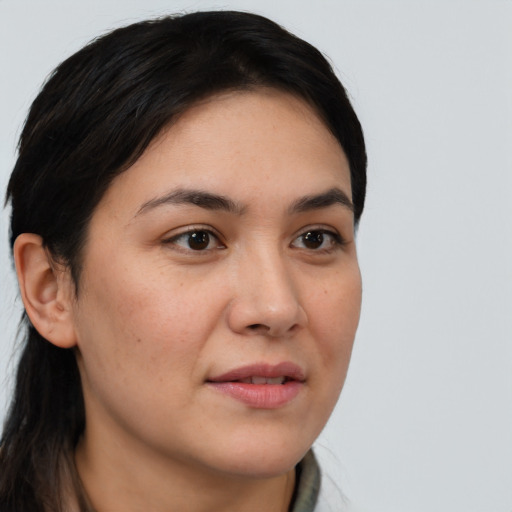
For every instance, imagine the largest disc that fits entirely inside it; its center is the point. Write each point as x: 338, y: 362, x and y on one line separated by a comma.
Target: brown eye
x: 196, y: 240
x: 318, y: 240
x: 313, y: 239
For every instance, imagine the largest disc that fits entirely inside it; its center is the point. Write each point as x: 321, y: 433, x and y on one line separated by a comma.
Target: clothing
x: 307, y: 484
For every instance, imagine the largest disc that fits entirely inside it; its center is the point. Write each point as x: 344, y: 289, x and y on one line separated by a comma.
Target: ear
x: 46, y: 289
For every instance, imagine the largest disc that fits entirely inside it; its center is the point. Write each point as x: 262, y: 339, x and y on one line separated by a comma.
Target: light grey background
x: 425, y: 421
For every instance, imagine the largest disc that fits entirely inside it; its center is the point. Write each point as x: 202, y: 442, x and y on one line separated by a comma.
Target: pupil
x: 199, y: 240
x: 313, y: 239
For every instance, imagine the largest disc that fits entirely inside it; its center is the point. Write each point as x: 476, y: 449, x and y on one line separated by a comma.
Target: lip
x: 285, y: 369
x: 261, y: 396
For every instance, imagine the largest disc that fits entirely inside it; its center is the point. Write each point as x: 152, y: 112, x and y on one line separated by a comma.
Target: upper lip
x: 285, y: 369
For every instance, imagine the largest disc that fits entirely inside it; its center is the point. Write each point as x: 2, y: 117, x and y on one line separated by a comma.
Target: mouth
x: 261, y: 386
x: 264, y: 380
x: 262, y: 373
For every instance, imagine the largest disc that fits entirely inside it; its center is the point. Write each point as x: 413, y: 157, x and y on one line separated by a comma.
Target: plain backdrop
x: 424, y: 423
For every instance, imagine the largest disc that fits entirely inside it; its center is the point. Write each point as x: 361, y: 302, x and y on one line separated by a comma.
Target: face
x: 220, y: 292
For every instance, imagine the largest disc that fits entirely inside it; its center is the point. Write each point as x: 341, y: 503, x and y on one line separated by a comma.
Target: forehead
x: 240, y: 143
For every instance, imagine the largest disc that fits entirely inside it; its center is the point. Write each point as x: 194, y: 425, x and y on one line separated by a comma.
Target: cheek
x: 334, y: 312
x: 145, y: 320
x: 138, y: 336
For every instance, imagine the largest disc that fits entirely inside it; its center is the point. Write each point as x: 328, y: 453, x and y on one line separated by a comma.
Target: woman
x: 183, y: 214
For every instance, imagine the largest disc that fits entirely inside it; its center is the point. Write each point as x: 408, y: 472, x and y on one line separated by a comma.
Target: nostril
x: 259, y: 329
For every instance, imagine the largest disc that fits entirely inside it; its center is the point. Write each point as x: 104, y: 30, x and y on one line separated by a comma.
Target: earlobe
x: 46, y: 291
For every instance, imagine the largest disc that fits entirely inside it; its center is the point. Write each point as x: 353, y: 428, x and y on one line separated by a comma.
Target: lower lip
x: 260, y: 396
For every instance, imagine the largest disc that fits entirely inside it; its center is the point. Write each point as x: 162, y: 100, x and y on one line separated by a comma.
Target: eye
x: 196, y: 240
x: 318, y: 240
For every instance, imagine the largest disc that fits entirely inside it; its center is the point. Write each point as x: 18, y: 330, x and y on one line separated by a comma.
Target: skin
x: 154, y: 319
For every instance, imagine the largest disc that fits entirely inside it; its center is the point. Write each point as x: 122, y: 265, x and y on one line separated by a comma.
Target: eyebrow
x: 324, y: 200
x: 205, y: 200
x: 210, y: 201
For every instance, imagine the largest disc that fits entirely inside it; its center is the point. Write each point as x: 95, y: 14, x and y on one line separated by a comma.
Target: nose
x: 265, y: 299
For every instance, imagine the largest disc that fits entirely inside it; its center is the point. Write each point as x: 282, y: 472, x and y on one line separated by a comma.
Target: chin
x: 264, y: 458
x: 262, y: 467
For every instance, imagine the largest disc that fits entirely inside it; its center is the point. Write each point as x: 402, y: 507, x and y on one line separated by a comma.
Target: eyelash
x: 194, y: 230
x: 336, y: 240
